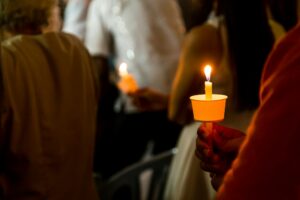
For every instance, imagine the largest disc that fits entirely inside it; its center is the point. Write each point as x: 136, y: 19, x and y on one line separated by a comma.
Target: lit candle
x: 208, y: 84
x: 208, y: 107
x: 208, y: 91
x: 127, y: 83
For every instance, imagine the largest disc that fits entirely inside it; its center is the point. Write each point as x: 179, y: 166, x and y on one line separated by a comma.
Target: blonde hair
x: 20, y: 15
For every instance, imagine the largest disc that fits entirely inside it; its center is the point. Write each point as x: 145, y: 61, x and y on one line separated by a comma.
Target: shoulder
x: 68, y: 36
x: 285, y: 54
x: 277, y: 29
x: 204, y: 39
x: 64, y: 39
x: 202, y: 33
x: 283, y: 63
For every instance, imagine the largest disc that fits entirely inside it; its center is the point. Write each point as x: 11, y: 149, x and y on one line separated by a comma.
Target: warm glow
x: 207, y: 72
x: 123, y: 70
x: 126, y: 82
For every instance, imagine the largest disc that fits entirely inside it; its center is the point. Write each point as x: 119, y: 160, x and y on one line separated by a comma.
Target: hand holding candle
x: 127, y: 83
x: 208, y: 108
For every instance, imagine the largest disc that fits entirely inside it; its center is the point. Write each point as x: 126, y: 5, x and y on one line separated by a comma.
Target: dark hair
x: 195, y: 12
x: 250, y: 40
x: 284, y: 12
x: 19, y: 15
x: 62, y: 6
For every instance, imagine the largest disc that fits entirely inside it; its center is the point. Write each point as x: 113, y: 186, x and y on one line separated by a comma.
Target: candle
x: 208, y: 84
x: 208, y: 91
x: 208, y: 107
x: 127, y: 83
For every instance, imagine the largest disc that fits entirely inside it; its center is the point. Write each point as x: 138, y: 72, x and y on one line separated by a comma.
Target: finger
x: 215, y: 158
x: 217, y: 180
x: 233, y: 145
x: 135, y: 101
x: 202, y: 144
x: 213, y: 167
x: 203, y: 133
x: 227, y: 133
x: 206, y: 167
x: 200, y: 155
x: 227, y: 145
x: 204, y: 155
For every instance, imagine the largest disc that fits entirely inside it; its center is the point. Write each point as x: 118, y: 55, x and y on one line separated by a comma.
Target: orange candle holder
x: 208, y: 110
x: 127, y: 84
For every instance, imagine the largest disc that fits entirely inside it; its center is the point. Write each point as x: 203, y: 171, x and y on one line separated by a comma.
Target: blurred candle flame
x: 207, y: 72
x: 123, y: 70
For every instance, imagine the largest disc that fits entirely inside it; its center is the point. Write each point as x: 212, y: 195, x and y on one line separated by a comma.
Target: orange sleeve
x: 268, y: 164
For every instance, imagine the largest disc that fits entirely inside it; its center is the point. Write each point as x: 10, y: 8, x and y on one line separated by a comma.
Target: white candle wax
x: 208, y: 84
x: 208, y: 90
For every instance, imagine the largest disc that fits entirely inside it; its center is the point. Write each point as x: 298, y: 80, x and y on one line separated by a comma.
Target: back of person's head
x: 250, y: 41
x: 18, y: 16
x: 195, y: 12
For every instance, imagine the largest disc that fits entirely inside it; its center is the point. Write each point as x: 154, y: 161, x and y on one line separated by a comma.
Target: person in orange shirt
x: 264, y: 163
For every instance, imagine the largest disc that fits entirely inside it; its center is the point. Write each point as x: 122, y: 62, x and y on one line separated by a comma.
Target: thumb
x: 233, y: 145
x: 227, y: 139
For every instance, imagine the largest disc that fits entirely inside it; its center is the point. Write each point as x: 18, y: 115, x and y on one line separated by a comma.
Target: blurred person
x: 75, y: 17
x: 62, y: 5
x: 147, y: 35
x: 265, y: 159
x: 194, y: 12
x: 48, y: 106
x: 75, y: 23
x: 236, y: 51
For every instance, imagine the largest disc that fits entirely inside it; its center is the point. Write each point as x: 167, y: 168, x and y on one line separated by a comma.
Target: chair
x: 126, y: 183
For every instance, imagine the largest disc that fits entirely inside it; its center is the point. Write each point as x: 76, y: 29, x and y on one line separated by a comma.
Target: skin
x: 54, y: 22
x: 202, y: 46
x: 147, y: 99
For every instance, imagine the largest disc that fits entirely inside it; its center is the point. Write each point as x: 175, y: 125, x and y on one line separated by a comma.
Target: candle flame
x: 123, y: 69
x: 207, y: 72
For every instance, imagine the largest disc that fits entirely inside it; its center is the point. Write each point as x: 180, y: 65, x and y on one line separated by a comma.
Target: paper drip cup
x: 208, y: 110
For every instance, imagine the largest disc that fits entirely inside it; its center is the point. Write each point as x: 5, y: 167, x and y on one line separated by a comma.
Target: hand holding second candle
x: 147, y: 99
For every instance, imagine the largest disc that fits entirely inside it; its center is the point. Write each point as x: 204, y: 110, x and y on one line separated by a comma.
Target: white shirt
x: 75, y: 17
x: 146, y: 34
